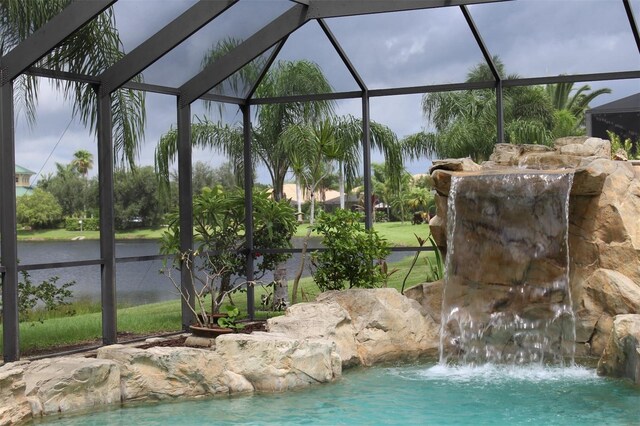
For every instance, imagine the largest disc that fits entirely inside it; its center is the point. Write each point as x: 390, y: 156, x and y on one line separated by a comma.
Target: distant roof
x: 24, y: 171
x: 630, y: 103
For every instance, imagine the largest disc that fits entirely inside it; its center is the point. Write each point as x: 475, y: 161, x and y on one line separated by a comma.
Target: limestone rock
x: 388, y: 325
x: 591, y: 147
x: 606, y: 294
x: 621, y: 357
x: 569, y: 140
x: 621, y: 155
x: 71, y: 383
x: 319, y: 321
x: 163, y: 373
x: 429, y: 296
x: 275, y: 362
x: 506, y: 154
x: 14, y: 405
x: 455, y: 165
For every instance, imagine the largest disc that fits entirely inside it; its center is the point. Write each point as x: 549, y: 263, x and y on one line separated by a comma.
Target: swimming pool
x: 408, y: 395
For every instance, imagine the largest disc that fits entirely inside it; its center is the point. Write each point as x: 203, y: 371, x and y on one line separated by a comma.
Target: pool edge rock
x: 621, y: 356
x: 365, y: 326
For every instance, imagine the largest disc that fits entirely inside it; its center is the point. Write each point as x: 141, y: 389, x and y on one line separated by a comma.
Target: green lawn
x: 61, y: 234
x: 397, y: 233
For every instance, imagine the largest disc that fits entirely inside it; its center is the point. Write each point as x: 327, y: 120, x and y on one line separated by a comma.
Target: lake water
x: 136, y: 282
x: 408, y: 395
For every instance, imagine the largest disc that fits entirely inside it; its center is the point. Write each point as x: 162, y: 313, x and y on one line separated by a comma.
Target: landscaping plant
x: 217, y: 265
x: 353, y: 256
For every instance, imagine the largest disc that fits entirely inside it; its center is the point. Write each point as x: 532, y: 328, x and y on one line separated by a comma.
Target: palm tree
x: 82, y: 162
x: 284, y: 78
x: 312, y: 150
x: 576, y: 104
x: 89, y: 51
x: 465, y: 121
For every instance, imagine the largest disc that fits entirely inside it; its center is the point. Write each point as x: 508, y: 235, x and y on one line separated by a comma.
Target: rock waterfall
x: 507, y: 297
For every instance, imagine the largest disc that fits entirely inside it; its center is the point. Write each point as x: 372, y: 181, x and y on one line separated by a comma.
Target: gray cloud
x: 532, y: 37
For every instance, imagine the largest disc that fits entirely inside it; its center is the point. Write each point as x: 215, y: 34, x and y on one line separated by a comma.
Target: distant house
x: 23, y: 178
x: 621, y: 117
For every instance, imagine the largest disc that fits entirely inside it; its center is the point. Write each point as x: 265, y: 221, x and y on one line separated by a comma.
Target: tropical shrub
x: 48, y: 293
x: 354, y: 256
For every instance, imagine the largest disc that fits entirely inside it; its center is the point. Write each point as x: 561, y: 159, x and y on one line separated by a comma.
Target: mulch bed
x: 124, y: 337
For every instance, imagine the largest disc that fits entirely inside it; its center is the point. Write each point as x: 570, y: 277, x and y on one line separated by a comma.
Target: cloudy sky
x: 532, y: 37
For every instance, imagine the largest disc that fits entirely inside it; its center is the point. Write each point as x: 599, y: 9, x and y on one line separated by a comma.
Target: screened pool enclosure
x: 433, y: 45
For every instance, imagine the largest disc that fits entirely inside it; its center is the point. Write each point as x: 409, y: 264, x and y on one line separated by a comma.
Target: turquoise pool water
x: 409, y: 395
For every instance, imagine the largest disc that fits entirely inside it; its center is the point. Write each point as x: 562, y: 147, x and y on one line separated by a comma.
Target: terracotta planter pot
x: 209, y: 331
x: 211, y: 319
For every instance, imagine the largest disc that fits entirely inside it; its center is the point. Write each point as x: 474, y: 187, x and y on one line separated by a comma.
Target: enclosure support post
x: 185, y: 198
x: 366, y: 157
x: 248, y: 205
x: 499, y: 112
x: 8, y: 229
x: 107, y: 229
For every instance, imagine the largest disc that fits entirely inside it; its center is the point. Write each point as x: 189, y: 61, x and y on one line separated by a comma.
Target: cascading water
x: 506, y: 297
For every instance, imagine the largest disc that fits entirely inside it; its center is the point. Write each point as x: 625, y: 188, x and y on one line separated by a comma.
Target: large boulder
x: 429, y: 296
x: 621, y: 357
x: 388, y: 325
x: 605, y: 294
x: 274, y: 362
x: 70, y: 384
x: 14, y: 405
x: 328, y: 321
x: 366, y: 325
x: 164, y: 373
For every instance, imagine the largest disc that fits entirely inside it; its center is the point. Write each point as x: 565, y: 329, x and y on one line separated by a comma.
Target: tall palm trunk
x: 341, y: 179
x: 299, y: 198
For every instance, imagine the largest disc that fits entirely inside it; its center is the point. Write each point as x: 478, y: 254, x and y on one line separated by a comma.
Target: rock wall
x: 621, y: 356
x: 604, y: 226
x: 308, y: 345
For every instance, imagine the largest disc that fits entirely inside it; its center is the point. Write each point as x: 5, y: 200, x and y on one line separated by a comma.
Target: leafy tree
x: 219, y: 218
x: 353, y: 255
x: 69, y: 188
x: 38, y: 210
x: 206, y: 176
x: 136, y: 197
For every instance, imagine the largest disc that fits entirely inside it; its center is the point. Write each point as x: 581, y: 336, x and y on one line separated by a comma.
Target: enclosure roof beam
x: 331, y: 9
x: 632, y: 22
x: 133, y: 85
x: 155, y: 47
x: 50, y: 35
x: 481, y: 43
x: 343, y: 55
x: 214, y: 73
x: 574, y: 78
x: 264, y: 71
x: 449, y: 87
x: 285, y: 24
